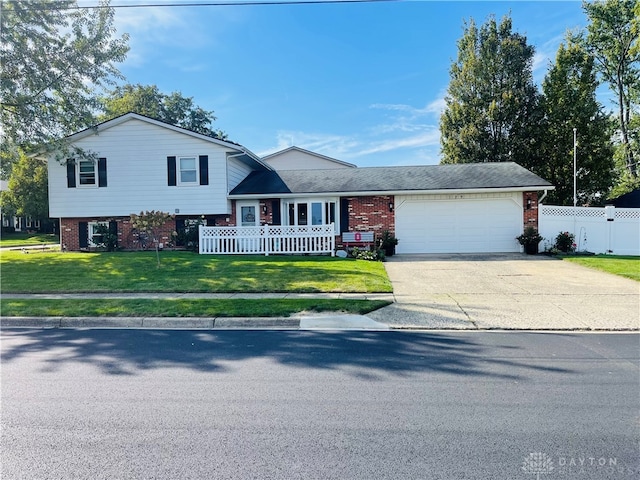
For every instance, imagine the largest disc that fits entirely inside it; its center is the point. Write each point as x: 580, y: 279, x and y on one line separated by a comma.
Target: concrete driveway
x: 506, y: 291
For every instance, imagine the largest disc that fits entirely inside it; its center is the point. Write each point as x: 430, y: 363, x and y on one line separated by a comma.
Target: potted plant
x: 530, y: 239
x: 388, y: 243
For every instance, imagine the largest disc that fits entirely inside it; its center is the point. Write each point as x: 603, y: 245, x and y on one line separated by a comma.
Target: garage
x: 465, y: 223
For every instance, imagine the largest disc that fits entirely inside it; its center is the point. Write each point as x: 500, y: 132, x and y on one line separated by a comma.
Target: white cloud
x: 427, y: 138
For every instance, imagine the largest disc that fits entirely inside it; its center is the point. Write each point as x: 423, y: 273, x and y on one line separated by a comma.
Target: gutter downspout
x: 544, y: 195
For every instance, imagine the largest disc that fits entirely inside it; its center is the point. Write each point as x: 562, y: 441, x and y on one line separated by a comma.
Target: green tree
x: 491, y: 102
x: 173, y: 108
x: 54, y: 58
x: 612, y: 37
x: 27, y: 194
x: 568, y: 102
x: 152, y: 223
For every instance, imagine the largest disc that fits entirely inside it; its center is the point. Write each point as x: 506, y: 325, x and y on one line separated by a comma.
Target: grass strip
x: 71, y: 272
x: 625, y: 266
x: 182, y: 307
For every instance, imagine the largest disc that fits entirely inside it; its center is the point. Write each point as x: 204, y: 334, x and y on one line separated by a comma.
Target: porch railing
x: 267, y: 239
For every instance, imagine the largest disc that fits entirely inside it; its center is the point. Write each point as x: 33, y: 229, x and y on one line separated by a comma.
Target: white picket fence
x: 598, y: 230
x: 268, y: 239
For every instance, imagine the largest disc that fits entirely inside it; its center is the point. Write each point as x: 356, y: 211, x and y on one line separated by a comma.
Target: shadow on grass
x: 360, y: 354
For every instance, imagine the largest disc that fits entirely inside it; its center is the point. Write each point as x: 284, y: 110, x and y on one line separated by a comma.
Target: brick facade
x: 530, y: 209
x: 370, y: 214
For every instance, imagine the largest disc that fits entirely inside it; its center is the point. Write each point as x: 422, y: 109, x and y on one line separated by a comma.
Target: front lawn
x: 56, y: 272
x: 625, y: 266
x: 27, y: 239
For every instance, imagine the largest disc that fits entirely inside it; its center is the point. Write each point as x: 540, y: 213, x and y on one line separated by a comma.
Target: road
x: 162, y: 404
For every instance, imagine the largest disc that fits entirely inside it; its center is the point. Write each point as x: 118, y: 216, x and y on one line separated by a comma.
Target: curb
x: 188, y: 323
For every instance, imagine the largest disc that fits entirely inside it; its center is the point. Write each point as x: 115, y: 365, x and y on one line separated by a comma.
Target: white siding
x: 236, y: 172
x: 298, y: 160
x: 136, y: 154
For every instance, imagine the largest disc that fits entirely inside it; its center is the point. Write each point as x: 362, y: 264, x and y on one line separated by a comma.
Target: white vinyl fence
x: 598, y: 230
x: 267, y: 239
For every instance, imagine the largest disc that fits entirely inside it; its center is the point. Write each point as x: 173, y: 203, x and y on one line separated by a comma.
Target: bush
x: 372, y: 255
x: 105, y: 238
x: 565, y: 242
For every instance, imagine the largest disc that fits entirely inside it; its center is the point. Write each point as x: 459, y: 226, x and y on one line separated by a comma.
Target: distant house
x: 628, y: 200
x: 144, y: 164
x: 15, y: 223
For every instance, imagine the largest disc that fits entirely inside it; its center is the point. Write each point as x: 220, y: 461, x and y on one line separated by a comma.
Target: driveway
x: 506, y: 291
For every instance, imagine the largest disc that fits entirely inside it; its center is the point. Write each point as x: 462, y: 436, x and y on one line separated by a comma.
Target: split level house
x: 139, y: 164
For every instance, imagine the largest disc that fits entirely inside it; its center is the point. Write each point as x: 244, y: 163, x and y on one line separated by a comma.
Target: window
x: 95, y: 239
x: 188, y: 170
x: 86, y: 173
x: 322, y: 212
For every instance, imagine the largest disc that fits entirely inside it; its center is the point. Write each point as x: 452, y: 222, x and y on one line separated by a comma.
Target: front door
x: 247, y: 214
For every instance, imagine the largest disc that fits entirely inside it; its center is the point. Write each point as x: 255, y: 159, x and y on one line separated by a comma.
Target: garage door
x: 462, y: 225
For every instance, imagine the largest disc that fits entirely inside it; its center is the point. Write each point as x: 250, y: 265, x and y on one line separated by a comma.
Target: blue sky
x: 363, y: 83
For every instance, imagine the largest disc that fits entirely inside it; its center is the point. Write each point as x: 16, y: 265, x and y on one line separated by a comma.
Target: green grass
x: 27, y: 239
x: 182, y: 307
x: 55, y: 272
x: 625, y: 266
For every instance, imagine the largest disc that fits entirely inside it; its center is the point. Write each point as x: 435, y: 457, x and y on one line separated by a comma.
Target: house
x: 628, y: 200
x: 142, y: 164
x: 14, y: 223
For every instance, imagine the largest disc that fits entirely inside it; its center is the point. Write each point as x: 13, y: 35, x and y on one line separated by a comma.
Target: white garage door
x: 463, y: 225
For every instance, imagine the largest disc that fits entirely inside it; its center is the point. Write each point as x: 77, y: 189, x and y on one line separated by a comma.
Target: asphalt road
x: 123, y: 404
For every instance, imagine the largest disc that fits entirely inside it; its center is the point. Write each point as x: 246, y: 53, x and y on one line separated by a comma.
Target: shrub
x: 372, y: 255
x: 565, y: 242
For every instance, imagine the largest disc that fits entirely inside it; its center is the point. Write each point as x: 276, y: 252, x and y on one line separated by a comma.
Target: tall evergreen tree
x: 492, y: 102
x: 568, y: 102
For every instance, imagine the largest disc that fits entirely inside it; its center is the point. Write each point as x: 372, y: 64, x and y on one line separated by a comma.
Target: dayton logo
x: 537, y: 463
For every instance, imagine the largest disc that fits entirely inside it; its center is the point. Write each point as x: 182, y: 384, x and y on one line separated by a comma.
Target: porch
x: 267, y: 239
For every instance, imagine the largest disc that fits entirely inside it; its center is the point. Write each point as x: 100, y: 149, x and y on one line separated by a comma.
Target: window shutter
x: 171, y: 171
x: 344, y: 215
x: 83, y: 234
x: 113, y: 230
x: 102, y: 172
x: 71, y: 174
x: 204, y: 169
x: 180, y: 230
x: 275, y: 212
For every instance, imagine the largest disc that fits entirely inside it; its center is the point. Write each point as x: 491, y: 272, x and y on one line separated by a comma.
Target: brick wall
x: 370, y: 214
x: 530, y: 209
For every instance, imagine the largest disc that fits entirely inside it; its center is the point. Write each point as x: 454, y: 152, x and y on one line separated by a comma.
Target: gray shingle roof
x: 391, y: 179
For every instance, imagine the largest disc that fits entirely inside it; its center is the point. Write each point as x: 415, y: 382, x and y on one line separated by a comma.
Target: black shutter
x: 113, y: 230
x: 344, y: 215
x: 102, y: 172
x: 180, y: 231
x: 83, y: 234
x: 204, y: 169
x: 71, y: 174
x: 171, y: 171
x: 275, y: 212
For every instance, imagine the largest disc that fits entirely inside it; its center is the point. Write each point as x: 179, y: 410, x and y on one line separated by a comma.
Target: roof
x: 307, y: 152
x: 628, y: 200
x: 425, y: 178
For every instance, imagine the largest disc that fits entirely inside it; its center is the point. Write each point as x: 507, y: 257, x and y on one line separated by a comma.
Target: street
x: 170, y: 404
